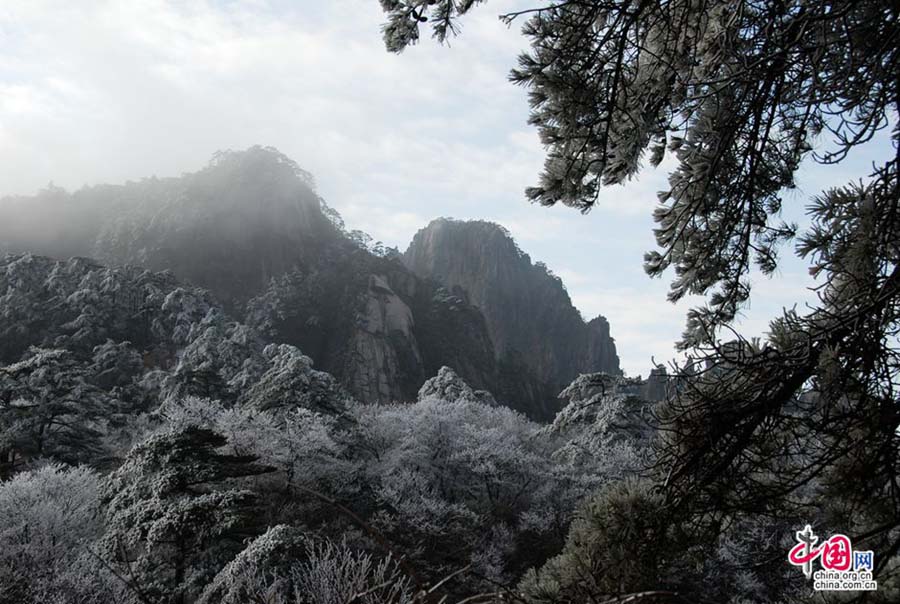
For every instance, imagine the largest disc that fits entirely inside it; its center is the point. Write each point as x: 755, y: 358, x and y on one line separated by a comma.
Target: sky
x: 109, y: 91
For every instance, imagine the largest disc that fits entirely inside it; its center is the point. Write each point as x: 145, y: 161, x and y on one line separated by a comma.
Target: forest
x: 213, y: 391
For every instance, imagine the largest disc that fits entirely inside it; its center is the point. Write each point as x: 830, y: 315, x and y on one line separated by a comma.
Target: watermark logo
x: 842, y: 568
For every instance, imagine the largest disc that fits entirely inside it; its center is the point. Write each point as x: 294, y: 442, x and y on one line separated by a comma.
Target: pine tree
x: 48, y: 408
x: 175, y: 513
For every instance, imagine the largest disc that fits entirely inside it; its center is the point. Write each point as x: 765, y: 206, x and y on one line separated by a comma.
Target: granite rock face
x: 529, y: 315
x: 383, y: 345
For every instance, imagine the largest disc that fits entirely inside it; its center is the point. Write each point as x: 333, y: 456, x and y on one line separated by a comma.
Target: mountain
x: 528, y: 312
x: 250, y: 229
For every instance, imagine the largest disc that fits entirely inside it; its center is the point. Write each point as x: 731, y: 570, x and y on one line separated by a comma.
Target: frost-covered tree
x: 291, y: 304
x: 307, y: 451
x: 445, y: 482
x: 447, y: 385
x: 290, y: 382
x: 79, y: 305
x: 174, y: 513
x: 334, y: 574
x: 738, y: 93
x: 49, y: 518
x: 48, y: 408
x: 479, y: 480
x: 115, y: 365
x: 262, y: 571
x: 620, y: 542
x: 605, y: 429
x: 284, y: 566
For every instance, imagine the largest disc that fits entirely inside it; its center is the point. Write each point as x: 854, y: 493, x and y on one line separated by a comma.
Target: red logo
x: 834, y: 554
x: 842, y: 567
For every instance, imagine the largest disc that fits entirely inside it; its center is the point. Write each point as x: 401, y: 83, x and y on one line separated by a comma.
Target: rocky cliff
x: 528, y: 312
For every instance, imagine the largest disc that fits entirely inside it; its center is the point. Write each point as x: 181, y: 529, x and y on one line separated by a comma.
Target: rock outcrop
x: 528, y: 312
x: 383, y: 345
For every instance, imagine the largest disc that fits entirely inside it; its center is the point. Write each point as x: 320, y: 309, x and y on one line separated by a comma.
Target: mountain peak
x: 529, y: 314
